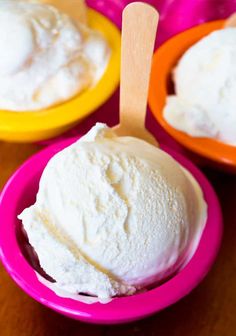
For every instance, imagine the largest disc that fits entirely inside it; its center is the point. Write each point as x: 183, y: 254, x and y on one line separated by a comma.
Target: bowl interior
x: 20, y: 261
x: 161, y: 85
x: 29, y: 197
x: 46, y: 123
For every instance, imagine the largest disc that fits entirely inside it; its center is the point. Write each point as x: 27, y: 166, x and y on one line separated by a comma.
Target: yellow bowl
x: 44, y: 124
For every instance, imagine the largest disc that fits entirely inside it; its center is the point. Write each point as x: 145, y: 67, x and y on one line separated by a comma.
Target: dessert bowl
x: 20, y: 192
x: 166, y: 57
x: 47, y: 123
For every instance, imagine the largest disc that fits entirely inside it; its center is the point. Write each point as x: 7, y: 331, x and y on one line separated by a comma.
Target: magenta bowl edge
x: 24, y: 182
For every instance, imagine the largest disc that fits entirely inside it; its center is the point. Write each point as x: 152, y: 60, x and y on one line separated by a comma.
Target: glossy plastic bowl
x: 20, y: 192
x: 165, y: 59
x: 48, y: 123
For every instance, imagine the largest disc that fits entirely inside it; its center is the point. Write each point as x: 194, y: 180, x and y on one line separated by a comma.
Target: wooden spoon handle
x: 231, y: 21
x: 139, y: 25
x: 76, y: 9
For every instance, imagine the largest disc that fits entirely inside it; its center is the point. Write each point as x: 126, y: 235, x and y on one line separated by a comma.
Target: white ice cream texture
x: 46, y: 58
x: 114, y: 215
x: 204, y: 103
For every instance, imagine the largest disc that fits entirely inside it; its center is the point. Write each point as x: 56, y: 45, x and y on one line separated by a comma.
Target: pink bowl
x: 20, y: 192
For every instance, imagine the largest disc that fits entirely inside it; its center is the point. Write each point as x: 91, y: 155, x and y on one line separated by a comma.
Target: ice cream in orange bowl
x: 161, y: 85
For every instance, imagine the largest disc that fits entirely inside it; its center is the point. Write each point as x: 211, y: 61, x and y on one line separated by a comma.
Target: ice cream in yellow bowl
x: 53, y: 71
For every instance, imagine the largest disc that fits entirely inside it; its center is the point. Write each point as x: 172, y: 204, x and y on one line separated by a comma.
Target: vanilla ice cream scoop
x: 46, y: 58
x: 114, y: 215
x: 204, y: 103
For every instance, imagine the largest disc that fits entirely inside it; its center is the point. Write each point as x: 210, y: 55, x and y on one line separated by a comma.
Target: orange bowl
x: 161, y: 85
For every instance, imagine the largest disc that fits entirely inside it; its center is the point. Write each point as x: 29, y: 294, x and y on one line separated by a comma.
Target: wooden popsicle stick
x: 231, y: 21
x: 139, y: 25
x: 76, y: 9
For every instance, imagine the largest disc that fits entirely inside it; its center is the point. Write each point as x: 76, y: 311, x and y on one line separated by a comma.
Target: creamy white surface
x: 204, y: 104
x: 45, y: 58
x: 113, y: 215
x: 68, y: 295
